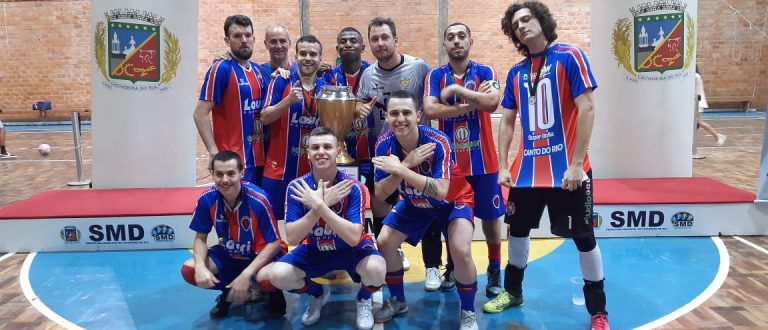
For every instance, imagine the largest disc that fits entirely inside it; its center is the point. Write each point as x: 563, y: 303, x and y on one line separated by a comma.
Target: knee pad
x: 188, y: 273
x: 586, y: 243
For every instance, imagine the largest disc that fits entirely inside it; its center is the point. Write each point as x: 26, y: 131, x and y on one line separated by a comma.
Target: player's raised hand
x: 301, y: 192
x: 296, y: 94
x: 325, y: 67
x: 419, y: 155
x: 332, y: 195
x: 285, y: 74
x: 505, y: 178
x: 365, y: 109
x: 390, y: 164
x: 222, y: 56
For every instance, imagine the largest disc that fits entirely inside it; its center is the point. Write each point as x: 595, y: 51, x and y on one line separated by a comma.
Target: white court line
x: 717, y: 282
x: 26, y: 288
x: 757, y: 247
x: 7, y: 255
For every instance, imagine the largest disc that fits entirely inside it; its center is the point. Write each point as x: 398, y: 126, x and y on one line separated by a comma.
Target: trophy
x: 336, y: 108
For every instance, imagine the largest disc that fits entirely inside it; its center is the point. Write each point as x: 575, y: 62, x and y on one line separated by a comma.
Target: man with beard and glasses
x: 233, y: 89
x: 292, y: 115
x: 461, y: 95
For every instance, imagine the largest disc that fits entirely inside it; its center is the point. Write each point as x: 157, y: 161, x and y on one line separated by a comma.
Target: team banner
x: 143, y: 77
x: 643, y: 57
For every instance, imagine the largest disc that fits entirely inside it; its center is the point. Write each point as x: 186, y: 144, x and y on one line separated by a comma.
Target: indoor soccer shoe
x: 449, y: 281
x: 390, y: 309
x: 600, y: 322
x: 314, y: 307
x: 432, y: 279
x: 493, y: 288
x: 468, y: 320
x: 503, y: 301
x: 365, y: 314
x: 222, y: 307
x: 276, y: 303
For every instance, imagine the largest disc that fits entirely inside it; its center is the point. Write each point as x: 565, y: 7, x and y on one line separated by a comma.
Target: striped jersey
x: 471, y: 133
x: 438, y: 166
x: 408, y: 75
x: 243, y: 230
x: 287, y: 154
x: 548, y: 123
x: 238, y: 97
x: 361, y: 138
x: 322, y: 237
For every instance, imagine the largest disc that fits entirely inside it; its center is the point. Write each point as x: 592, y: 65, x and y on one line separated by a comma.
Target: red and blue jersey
x: 549, y: 122
x: 438, y: 166
x: 471, y: 133
x: 360, y: 139
x: 243, y: 230
x: 352, y: 207
x: 238, y: 97
x: 287, y: 153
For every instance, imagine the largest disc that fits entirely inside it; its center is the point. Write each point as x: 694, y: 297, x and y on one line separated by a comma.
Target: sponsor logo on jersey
x: 656, y: 43
x: 129, y: 47
x: 326, y: 245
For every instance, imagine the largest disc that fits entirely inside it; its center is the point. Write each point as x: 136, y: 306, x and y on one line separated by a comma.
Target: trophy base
x: 352, y: 170
x: 344, y: 159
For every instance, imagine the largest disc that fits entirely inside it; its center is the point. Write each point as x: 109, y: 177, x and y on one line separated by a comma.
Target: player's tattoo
x: 430, y: 187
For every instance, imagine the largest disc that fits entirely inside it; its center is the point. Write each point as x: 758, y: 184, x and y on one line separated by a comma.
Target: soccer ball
x: 44, y: 149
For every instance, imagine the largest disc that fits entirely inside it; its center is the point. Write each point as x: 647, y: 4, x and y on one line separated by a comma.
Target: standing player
x: 552, y: 90
x: 415, y: 160
x: 248, y: 238
x: 292, y: 115
x: 392, y: 72
x: 233, y: 89
x: 324, y: 216
x: 462, y: 95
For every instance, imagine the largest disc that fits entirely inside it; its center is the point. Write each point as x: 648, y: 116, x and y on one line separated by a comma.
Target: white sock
x: 591, y: 264
x: 518, y: 249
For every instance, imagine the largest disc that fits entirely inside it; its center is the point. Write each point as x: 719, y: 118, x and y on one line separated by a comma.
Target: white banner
x: 643, y: 57
x: 144, y: 77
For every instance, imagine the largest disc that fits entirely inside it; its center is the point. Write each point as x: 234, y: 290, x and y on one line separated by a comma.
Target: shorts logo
x: 496, y: 201
x: 657, y: 43
x: 163, y: 233
x: 510, y: 208
x: 129, y: 46
x: 245, y: 223
x: 70, y: 234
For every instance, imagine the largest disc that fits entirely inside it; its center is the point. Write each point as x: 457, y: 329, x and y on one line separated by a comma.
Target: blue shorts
x: 316, y: 263
x: 229, y: 268
x: 254, y: 174
x: 275, y: 190
x: 414, y: 221
x: 488, y: 203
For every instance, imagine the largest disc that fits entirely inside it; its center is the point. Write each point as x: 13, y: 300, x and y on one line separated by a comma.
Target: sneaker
x: 493, y: 287
x: 254, y: 294
x: 276, y: 303
x: 600, y: 322
x: 390, y: 309
x: 721, y: 139
x: 222, y: 307
x: 503, y: 301
x: 432, y: 279
x: 406, y: 263
x: 315, y: 306
x: 7, y: 155
x: 468, y: 320
x: 449, y: 281
x: 365, y: 314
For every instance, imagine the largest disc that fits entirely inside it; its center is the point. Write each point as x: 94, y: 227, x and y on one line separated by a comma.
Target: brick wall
x: 45, y: 46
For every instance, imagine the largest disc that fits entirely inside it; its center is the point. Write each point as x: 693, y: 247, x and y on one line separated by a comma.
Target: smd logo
x: 682, y: 220
x: 134, y: 52
x: 163, y: 233
x: 656, y: 43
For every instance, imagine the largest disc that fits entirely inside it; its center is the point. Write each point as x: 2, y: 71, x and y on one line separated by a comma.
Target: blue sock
x: 395, y: 284
x: 366, y: 291
x: 467, y: 295
x: 314, y: 289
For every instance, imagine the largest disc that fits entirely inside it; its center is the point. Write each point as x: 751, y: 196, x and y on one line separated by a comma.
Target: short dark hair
x: 469, y: 32
x: 225, y: 156
x: 309, y: 39
x: 540, y: 11
x: 402, y: 94
x: 321, y: 130
x: 380, y: 21
x: 349, y: 29
x: 241, y: 20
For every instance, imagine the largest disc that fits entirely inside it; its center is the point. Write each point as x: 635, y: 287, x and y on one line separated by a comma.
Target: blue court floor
x: 647, y: 280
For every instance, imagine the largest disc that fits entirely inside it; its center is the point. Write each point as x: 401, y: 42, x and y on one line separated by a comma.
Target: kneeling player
x: 248, y: 238
x: 416, y: 160
x: 324, y: 211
